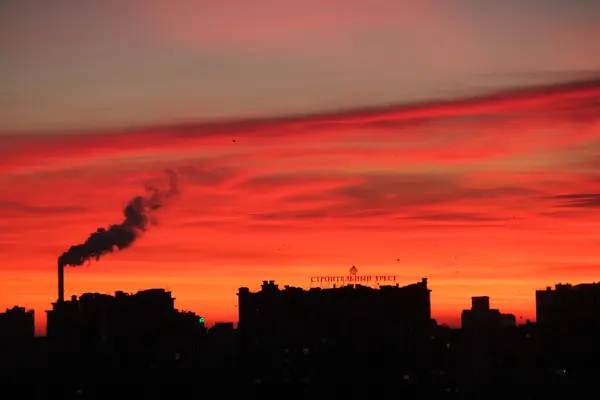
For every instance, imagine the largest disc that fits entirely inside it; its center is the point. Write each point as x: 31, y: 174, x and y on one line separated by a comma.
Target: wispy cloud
x: 577, y: 200
x: 441, y: 131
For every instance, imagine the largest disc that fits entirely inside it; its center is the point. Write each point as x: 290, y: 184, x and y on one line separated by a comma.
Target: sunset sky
x: 453, y: 140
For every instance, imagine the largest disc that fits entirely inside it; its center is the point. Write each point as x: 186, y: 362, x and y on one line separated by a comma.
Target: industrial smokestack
x: 138, y: 215
x: 61, y: 283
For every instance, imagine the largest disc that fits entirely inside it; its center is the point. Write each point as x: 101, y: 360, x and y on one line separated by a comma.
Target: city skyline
x: 412, y: 140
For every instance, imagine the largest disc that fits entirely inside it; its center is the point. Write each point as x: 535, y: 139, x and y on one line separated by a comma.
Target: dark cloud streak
x: 577, y: 200
x: 581, y: 90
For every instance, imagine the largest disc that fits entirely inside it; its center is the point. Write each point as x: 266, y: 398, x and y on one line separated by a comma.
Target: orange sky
x: 493, y: 196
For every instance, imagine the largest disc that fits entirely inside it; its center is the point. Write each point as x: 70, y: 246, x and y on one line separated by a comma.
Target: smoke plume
x: 138, y: 216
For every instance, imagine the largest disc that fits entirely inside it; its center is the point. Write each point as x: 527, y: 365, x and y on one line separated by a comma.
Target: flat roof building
x: 481, y: 316
x: 350, y: 329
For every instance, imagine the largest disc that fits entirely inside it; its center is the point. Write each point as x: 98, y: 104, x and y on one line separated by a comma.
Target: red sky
x: 491, y: 196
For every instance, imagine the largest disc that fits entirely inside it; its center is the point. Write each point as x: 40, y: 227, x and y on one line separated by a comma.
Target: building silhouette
x: 347, y: 341
x: 568, y: 318
x: 488, y: 348
x: 568, y: 305
x: 18, y: 344
x: 17, y: 323
x: 309, y: 338
x: 221, y: 354
x: 481, y: 317
x: 141, y: 330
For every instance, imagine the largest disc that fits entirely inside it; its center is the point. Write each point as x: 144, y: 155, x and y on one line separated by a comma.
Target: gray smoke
x: 138, y: 216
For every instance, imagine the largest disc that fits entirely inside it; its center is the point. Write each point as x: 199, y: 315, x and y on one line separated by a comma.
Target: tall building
x: 17, y: 323
x: 568, y: 319
x: 480, y: 316
x: 485, y: 348
x: 303, y: 336
x: 568, y: 305
x: 141, y: 329
x: 17, y: 337
x: 222, y: 347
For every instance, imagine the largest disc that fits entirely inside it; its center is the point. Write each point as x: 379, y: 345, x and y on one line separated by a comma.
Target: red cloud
x: 494, y: 126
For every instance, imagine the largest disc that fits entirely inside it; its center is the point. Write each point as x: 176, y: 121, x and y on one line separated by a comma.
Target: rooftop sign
x: 353, y: 277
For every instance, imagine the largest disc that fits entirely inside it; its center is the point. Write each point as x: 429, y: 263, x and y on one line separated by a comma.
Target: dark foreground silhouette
x: 347, y: 342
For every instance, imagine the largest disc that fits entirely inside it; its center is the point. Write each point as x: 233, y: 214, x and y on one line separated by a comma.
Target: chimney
x: 61, y: 283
